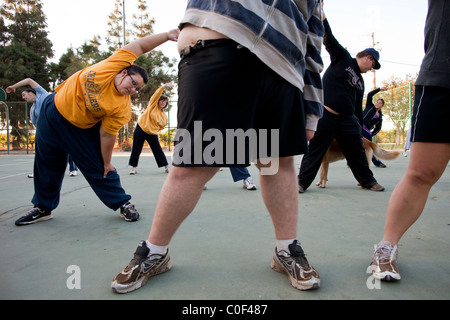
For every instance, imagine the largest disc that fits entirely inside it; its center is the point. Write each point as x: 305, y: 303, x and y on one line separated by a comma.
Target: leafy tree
x: 24, y: 51
x: 398, y: 102
x: 142, y: 24
x: 116, y: 26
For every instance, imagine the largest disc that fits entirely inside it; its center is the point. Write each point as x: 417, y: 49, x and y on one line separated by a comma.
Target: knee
x: 193, y: 175
x: 423, y: 176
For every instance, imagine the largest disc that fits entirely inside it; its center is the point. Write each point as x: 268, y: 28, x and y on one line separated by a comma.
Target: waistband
x: 201, y: 44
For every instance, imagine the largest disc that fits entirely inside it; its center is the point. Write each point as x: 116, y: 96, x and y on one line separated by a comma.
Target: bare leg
x: 178, y: 198
x: 280, y: 194
x: 427, y: 164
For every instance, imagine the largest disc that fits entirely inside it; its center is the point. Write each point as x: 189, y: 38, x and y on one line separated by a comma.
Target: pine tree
x: 24, y: 52
x: 24, y: 47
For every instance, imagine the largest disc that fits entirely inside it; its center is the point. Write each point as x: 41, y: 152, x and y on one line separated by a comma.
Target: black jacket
x: 374, y: 125
x: 343, y: 84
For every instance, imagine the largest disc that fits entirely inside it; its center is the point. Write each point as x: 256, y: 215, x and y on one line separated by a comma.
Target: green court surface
x: 223, y: 249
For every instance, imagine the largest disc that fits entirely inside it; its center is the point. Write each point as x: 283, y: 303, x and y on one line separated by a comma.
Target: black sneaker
x: 301, y: 274
x: 128, y: 212
x: 140, y: 268
x: 34, y: 215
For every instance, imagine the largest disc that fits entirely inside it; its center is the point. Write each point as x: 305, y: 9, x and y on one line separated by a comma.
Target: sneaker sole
x: 313, y: 283
x: 387, y: 276
x: 128, y: 220
x: 34, y: 221
x: 118, y: 288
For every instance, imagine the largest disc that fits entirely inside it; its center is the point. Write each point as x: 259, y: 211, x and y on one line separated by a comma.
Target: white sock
x: 284, y: 245
x: 154, y: 249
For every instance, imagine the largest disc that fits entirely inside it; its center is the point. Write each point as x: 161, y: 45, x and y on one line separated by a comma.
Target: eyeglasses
x: 373, y: 61
x: 134, y: 83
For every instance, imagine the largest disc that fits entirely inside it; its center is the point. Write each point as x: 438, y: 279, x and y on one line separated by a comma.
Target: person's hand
x: 10, y: 89
x: 309, y: 134
x: 172, y: 35
x: 107, y: 168
x: 323, y: 13
x: 168, y: 85
x: 383, y: 89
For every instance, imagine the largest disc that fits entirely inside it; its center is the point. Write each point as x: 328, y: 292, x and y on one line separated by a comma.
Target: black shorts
x: 233, y: 109
x: 431, y: 113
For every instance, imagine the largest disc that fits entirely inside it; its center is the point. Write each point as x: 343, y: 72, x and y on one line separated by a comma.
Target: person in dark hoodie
x: 373, y: 120
x: 343, y: 87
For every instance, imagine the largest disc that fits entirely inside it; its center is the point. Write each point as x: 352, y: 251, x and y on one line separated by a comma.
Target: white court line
x: 13, y: 163
x: 24, y: 174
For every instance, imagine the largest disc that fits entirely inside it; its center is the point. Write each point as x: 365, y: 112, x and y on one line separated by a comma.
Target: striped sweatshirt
x: 286, y: 35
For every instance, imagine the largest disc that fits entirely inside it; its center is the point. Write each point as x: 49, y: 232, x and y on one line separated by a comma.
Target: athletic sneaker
x: 30, y: 175
x: 73, y: 173
x: 34, y: 215
x: 248, y: 184
x: 384, y: 262
x: 141, y: 267
x: 133, y: 170
x: 294, y: 263
x: 128, y: 212
x: 166, y: 169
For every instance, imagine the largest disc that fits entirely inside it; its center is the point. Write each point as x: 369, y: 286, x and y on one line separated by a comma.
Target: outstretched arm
x: 148, y: 43
x: 107, y: 142
x: 25, y: 82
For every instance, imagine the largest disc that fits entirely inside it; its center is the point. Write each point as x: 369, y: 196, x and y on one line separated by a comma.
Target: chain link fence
x: 15, y: 123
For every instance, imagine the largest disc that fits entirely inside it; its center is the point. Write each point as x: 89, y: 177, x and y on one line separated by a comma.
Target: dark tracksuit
x: 372, y: 124
x: 139, y: 137
x: 56, y: 138
x: 343, y: 87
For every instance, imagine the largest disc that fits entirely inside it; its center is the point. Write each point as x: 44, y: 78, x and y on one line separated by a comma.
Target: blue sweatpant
x: 55, y: 138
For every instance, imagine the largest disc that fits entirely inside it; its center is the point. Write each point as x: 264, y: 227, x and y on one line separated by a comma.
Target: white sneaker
x: 73, y: 173
x: 384, y: 262
x: 248, y: 184
x: 133, y: 170
x: 166, y: 169
x: 404, y: 154
x: 30, y: 175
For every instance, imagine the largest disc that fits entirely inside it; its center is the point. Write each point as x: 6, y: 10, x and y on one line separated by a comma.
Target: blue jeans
x: 56, y: 138
x: 72, y: 165
x: 239, y: 173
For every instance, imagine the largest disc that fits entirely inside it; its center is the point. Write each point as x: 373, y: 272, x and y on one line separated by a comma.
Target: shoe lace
x: 298, y: 255
x: 129, y: 208
x: 383, y: 253
x: 34, y: 210
x: 301, y: 260
x: 139, y: 255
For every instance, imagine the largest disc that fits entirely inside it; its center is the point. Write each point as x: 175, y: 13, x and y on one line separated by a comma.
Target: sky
x: 396, y: 25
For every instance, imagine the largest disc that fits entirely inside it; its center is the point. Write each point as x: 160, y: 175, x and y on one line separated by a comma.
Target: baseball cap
x: 376, y: 55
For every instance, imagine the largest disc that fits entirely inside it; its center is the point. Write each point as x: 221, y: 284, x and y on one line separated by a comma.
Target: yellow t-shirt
x: 90, y: 96
x: 154, y: 119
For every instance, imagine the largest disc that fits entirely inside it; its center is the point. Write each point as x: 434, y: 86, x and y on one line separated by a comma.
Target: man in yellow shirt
x: 150, y: 123
x: 82, y: 118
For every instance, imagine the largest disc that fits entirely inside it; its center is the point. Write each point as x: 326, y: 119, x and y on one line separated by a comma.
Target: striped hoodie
x: 286, y: 35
